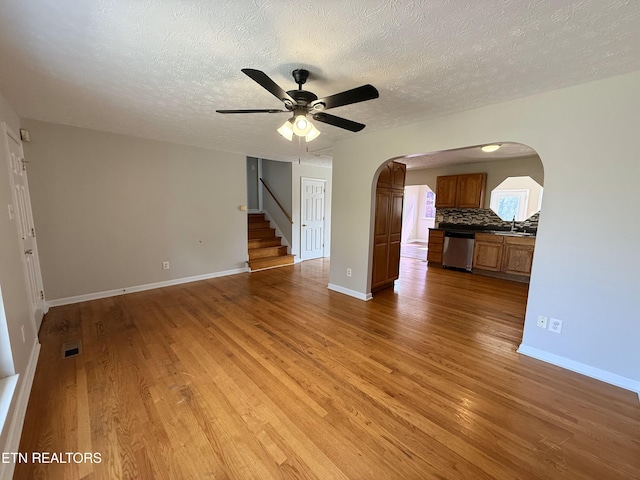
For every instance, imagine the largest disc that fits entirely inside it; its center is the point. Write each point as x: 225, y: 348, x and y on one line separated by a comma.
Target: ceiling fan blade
x: 355, y: 95
x: 265, y: 82
x: 264, y: 110
x: 338, y: 121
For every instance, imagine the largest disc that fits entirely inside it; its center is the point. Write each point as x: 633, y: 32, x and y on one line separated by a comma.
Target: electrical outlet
x: 542, y: 321
x: 165, y: 265
x: 348, y: 272
x: 555, y: 325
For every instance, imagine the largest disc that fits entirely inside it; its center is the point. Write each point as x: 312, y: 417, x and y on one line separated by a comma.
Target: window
x: 430, y: 205
x: 516, y: 197
x: 510, y: 204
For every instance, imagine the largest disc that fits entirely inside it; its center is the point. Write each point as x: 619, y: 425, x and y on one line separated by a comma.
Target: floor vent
x: 71, y: 349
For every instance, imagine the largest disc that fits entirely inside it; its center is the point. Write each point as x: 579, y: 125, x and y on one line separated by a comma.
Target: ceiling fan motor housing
x: 302, y: 98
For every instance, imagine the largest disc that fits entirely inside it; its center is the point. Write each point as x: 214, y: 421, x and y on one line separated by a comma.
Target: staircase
x: 265, y: 249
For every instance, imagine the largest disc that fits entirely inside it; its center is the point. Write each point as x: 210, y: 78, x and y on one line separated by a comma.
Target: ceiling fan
x: 302, y: 102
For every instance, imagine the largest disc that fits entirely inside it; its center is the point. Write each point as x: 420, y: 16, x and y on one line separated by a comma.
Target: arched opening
x: 514, y: 167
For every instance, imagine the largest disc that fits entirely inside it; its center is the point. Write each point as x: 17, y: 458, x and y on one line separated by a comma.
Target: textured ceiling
x: 465, y: 155
x: 160, y: 68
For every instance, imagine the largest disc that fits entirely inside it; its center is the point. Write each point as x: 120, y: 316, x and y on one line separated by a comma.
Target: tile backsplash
x: 482, y: 217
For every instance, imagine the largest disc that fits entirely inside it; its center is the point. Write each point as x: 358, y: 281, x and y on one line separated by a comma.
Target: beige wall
x: 109, y: 209
x: 277, y: 175
x: 586, y: 137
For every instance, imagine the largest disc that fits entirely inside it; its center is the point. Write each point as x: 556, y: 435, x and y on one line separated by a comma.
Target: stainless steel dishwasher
x: 458, y: 250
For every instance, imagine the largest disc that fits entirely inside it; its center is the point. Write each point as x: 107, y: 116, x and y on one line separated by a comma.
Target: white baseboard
x: 352, y: 293
x: 15, y: 426
x: 587, y: 370
x: 140, y: 288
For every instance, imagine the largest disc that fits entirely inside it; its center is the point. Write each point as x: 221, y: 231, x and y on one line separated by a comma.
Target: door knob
x: 28, y: 252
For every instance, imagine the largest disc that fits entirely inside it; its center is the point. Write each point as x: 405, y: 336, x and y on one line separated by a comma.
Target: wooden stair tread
x: 257, y: 225
x: 256, y: 217
x: 268, y: 262
x: 262, y: 233
x: 264, y: 242
x: 270, y: 251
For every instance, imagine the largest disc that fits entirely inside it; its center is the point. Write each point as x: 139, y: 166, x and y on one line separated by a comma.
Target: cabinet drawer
x: 435, y: 247
x: 529, y: 241
x: 436, y: 234
x: 489, y: 238
x: 434, y: 257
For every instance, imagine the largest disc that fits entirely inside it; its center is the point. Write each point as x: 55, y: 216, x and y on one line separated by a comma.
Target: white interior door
x: 312, y: 219
x: 21, y: 211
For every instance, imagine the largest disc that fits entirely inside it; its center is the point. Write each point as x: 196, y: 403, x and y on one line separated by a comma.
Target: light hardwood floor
x: 271, y: 375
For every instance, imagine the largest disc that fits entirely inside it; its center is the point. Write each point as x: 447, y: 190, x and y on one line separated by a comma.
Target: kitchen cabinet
x: 446, y: 191
x: 510, y: 254
x: 487, y: 252
x: 461, y: 191
x: 435, y: 246
x: 388, y: 225
x: 518, y: 255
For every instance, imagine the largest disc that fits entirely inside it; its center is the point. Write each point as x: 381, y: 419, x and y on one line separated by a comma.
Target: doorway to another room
x: 419, y: 215
x: 312, y: 218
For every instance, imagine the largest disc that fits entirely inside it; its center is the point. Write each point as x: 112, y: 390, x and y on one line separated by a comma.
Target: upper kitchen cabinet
x: 461, y: 191
x: 446, y: 191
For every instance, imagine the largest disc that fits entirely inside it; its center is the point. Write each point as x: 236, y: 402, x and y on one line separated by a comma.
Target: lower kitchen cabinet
x: 435, y: 246
x: 518, y: 255
x: 508, y: 254
x: 487, y: 252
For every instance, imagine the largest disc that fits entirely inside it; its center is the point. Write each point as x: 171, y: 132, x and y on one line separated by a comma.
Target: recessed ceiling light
x: 490, y: 148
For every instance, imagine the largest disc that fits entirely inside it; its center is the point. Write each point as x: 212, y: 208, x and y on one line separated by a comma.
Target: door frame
x: 324, y: 209
x: 39, y: 309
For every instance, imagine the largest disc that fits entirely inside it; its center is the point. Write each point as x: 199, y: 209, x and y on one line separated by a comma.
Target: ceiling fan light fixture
x: 490, y: 148
x: 313, y: 133
x: 286, y: 130
x: 301, y: 126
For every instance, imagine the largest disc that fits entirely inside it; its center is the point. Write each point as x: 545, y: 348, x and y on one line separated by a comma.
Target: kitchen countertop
x: 486, y: 229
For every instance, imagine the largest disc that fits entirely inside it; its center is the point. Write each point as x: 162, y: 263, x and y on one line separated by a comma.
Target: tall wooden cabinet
x: 388, y: 225
x: 461, y: 191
